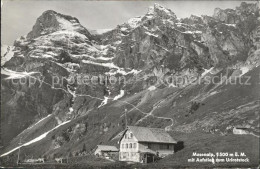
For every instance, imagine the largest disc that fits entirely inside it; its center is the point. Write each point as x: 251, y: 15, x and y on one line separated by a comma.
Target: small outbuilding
x: 106, y: 151
x: 241, y: 130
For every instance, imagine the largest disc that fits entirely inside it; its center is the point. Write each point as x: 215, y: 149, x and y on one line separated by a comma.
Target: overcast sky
x: 18, y: 17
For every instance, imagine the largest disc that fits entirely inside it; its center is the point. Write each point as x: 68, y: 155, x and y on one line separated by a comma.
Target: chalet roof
x: 107, y: 148
x: 155, y: 135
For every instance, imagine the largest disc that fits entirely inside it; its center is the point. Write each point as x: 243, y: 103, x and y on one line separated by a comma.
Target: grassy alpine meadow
x: 192, y: 142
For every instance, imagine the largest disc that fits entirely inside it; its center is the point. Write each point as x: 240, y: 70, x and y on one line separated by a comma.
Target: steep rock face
x: 158, y: 40
x: 147, y: 51
x: 23, y: 105
x: 53, y: 50
x: 231, y: 16
x: 212, y: 41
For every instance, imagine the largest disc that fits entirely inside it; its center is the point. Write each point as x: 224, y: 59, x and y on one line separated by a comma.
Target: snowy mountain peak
x: 161, y: 11
x: 159, y: 7
x: 156, y: 12
x: 51, y: 21
x: 49, y: 12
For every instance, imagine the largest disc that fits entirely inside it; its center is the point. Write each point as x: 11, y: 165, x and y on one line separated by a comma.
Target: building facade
x: 142, y: 144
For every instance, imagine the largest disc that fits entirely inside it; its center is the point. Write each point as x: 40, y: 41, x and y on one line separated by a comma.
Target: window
x: 130, y: 145
x: 126, y: 145
x: 125, y: 135
x: 133, y: 154
x: 124, y: 155
x: 149, y: 145
x: 131, y: 135
x: 164, y: 146
x: 122, y: 146
x: 134, y: 145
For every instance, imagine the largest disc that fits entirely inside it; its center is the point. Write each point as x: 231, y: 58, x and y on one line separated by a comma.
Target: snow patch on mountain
x: 134, y: 71
x: 151, y: 88
x: 172, y: 85
x: 41, y: 56
x: 192, y: 32
x: 99, y: 31
x: 61, y: 35
x: 123, y: 72
x: 35, y: 139
x: 148, y: 33
x: 104, y: 58
x: 104, y: 102
x: 65, y: 24
x: 206, y: 71
x: 39, y: 121
x: 70, y: 110
x: 15, y: 75
x: 7, y: 52
x: 134, y: 22
x: 109, y: 65
x: 232, y: 25
x: 121, y: 94
x: 103, y: 50
x: 123, y: 29
x: 244, y: 70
